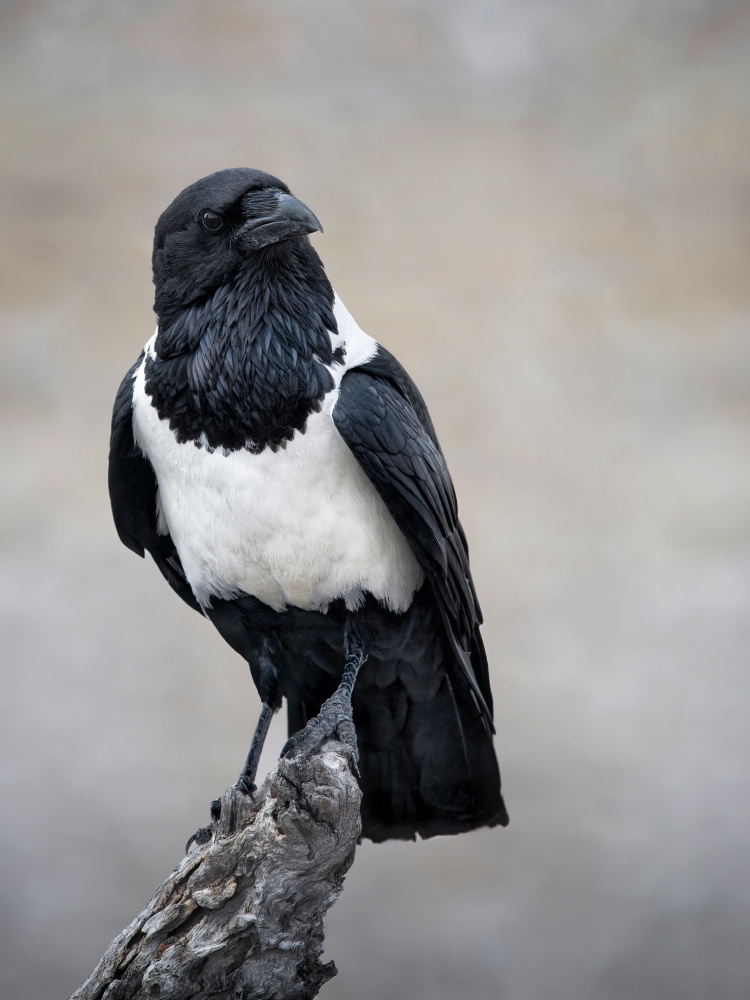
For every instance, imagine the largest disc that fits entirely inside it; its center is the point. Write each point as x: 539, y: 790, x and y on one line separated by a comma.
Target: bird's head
x: 212, y: 227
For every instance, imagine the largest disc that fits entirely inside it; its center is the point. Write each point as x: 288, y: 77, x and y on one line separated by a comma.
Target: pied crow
x: 282, y: 470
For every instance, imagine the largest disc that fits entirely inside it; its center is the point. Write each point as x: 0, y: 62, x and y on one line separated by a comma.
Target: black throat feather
x: 244, y: 367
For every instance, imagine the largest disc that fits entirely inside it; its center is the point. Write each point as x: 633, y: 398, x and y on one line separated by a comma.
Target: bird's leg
x: 246, y: 781
x: 266, y: 679
x: 335, y: 715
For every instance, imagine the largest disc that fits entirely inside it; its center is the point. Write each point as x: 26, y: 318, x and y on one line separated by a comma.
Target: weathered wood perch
x: 241, y: 916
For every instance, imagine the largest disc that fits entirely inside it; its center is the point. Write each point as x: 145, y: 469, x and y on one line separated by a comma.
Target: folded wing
x: 133, y: 494
x: 383, y: 419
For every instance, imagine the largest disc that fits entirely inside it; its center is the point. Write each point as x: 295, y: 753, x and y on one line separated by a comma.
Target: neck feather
x: 245, y: 367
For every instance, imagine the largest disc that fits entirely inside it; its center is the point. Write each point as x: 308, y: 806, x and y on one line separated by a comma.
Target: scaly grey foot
x: 333, y: 719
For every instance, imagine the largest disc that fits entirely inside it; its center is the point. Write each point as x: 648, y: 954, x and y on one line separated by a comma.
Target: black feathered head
x: 203, y: 239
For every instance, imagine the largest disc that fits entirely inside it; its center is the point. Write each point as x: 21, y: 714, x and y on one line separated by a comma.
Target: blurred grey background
x: 542, y: 207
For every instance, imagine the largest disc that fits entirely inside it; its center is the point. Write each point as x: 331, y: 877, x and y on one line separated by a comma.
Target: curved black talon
x: 200, y: 837
x: 203, y: 835
x: 244, y: 785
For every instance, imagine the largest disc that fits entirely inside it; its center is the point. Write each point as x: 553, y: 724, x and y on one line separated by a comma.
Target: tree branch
x: 242, y: 915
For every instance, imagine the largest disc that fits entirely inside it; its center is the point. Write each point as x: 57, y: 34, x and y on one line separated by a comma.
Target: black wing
x: 383, y: 419
x: 132, y: 492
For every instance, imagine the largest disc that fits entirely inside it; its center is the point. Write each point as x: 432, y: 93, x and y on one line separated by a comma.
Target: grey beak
x: 291, y: 218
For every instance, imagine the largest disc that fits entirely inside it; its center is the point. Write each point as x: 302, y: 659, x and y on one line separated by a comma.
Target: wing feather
x: 383, y: 419
x: 133, y: 491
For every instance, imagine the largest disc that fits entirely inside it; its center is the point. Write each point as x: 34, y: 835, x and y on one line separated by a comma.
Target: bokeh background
x: 542, y: 207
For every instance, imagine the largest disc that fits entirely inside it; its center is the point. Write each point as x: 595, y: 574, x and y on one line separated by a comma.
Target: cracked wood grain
x: 242, y: 915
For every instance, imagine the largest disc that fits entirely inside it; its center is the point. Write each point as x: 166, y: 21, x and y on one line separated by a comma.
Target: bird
x: 282, y: 470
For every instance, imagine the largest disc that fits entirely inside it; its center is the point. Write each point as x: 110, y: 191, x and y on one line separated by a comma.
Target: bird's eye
x: 211, y: 220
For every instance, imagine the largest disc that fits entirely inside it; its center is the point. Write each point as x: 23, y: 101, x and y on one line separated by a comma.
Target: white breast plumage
x: 301, y: 526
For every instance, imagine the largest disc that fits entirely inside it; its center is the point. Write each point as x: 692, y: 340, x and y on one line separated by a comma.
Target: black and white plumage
x: 281, y: 468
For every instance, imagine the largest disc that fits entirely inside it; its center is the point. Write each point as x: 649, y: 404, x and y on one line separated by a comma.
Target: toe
x: 334, y: 718
x: 246, y: 786
x: 200, y: 837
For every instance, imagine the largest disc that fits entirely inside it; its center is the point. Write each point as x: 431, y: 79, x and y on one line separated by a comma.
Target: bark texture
x: 241, y: 916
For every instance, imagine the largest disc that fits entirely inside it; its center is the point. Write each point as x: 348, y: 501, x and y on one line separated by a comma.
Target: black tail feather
x: 427, y: 762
